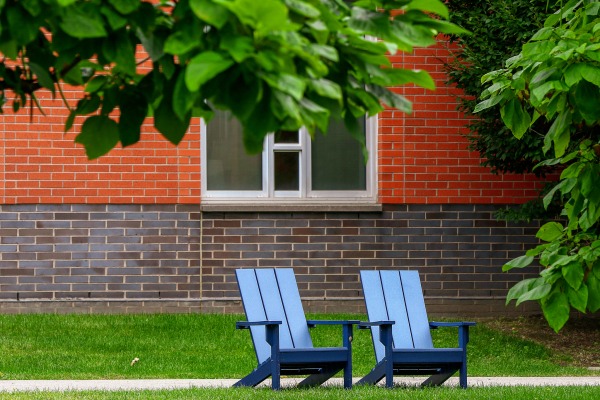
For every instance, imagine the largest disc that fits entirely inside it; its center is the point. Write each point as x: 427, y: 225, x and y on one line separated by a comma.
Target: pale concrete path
x: 156, y: 384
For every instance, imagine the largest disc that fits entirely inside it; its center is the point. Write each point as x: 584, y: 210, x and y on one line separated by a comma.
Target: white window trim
x: 304, y: 198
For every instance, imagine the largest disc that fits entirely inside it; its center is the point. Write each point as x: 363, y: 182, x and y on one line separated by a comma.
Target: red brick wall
x: 41, y: 164
x: 423, y: 158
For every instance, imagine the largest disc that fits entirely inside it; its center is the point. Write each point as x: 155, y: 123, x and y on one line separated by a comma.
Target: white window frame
x: 304, y: 196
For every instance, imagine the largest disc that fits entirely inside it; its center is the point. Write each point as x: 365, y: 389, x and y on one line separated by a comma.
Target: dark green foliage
x: 274, y: 64
x: 499, y: 27
x: 556, y: 78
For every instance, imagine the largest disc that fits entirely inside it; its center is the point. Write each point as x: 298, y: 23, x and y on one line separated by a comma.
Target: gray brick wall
x: 459, y: 251
x: 118, y: 252
x: 170, y: 258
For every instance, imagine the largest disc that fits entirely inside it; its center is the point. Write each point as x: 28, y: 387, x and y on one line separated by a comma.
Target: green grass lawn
x: 358, y: 393
x: 208, y: 346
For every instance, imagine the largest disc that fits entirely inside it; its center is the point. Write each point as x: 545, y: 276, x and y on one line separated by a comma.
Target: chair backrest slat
x: 271, y: 298
x: 397, y: 309
x: 376, y: 307
x: 272, y: 294
x: 293, y: 308
x: 397, y: 296
x: 417, y: 313
x: 255, y: 311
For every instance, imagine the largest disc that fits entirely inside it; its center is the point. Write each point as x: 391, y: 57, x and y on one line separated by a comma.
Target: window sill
x: 282, y: 206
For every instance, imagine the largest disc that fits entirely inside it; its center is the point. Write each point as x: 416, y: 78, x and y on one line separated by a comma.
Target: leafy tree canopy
x: 274, y: 64
x: 556, y: 77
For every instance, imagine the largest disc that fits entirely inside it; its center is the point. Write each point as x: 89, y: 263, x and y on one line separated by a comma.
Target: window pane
x: 337, y: 159
x: 228, y: 166
x: 287, y: 170
x: 286, y: 137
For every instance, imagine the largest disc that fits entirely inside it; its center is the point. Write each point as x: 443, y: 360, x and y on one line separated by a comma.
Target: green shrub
x: 499, y: 29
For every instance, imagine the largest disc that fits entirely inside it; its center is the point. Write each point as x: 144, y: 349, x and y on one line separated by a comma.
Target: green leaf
x: 573, y: 274
x: 578, y: 298
x: 390, y: 98
x: 572, y: 74
x: 23, y: 28
x: 591, y: 73
x: 285, y: 106
x: 519, y: 262
x: 88, y: 105
x: 43, y: 76
x: 168, y: 123
x: 125, y: 6
x: 314, y: 115
x: 302, y: 8
x: 99, y: 135
x: 183, y: 99
x: 204, y: 67
x: 559, y: 133
x: 119, y: 49
x: 238, y: 47
x: 550, y: 231
x: 326, y: 88
x: 184, y: 39
x: 96, y: 83
x: 81, y: 25
x: 539, y: 290
x: 434, y: 6
x: 593, y: 284
x: 397, y: 77
x: 556, y: 310
x: 153, y: 43
x: 286, y: 83
x: 327, y: 52
x: 550, y: 195
x: 587, y: 98
x: 522, y: 287
x: 32, y: 7
x: 210, y: 12
x: 114, y: 19
x: 110, y: 99
x: 537, y: 250
x: 9, y: 48
x: 488, y: 103
x: 264, y: 16
x: 543, y: 34
x: 134, y: 110
x: 515, y: 118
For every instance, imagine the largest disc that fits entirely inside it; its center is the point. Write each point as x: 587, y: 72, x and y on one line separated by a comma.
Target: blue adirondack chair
x: 401, y: 331
x: 280, y: 332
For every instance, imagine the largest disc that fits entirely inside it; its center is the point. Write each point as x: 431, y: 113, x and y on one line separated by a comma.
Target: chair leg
x: 275, y: 376
x: 439, y: 378
x: 318, y: 379
x: 255, y: 377
x: 374, y: 376
x: 463, y: 375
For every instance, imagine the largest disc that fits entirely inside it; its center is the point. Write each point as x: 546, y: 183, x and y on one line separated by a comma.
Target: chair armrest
x: 463, y: 331
x: 347, y: 327
x: 315, y: 322
x: 366, y: 325
x: 435, y: 325
x: 247, y: 324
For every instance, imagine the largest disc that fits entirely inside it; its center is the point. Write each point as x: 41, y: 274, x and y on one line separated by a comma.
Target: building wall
x: 126, y: 232
x: 92, y: 252
x: 165, y: 257
x: 424, y: 156
x: 40, y: 164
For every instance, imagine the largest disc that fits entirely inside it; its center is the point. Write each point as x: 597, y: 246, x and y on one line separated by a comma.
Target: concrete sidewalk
x: 156, y: 384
